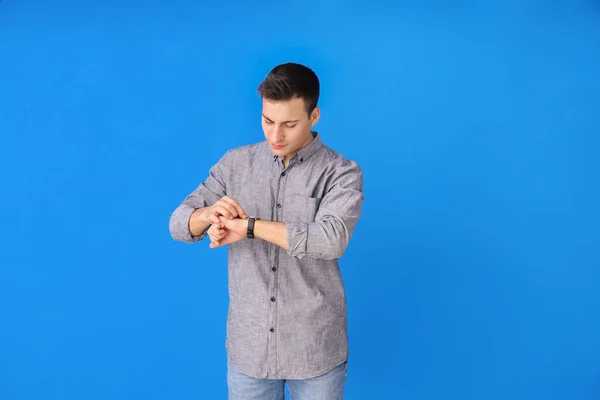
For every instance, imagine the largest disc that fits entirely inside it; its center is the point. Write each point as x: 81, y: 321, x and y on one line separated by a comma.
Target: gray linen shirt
x: 287, y: 309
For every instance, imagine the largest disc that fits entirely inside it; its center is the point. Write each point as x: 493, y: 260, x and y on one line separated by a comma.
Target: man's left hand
x: 234, y: 230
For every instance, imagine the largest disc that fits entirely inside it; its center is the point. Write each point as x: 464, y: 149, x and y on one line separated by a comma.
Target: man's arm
x: 236, y: 229
x: 328, y: 236
x: 274, y: 232
x: 191, y: 219
x: 198, y: 222
x: 325, y: 238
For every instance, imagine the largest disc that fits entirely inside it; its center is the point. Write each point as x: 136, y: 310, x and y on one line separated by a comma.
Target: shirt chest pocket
x: 299, y: 208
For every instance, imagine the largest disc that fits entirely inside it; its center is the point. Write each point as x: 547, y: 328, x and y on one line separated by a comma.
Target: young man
x: 287, y: 207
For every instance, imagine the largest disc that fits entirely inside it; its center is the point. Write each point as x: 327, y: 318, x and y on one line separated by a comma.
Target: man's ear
x: 314, y: 116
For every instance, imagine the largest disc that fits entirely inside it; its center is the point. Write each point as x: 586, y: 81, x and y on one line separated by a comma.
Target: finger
x: 227, y: 204
x: 240, y: 211
x: 216, y: 233
x: 214, y: 245
x: 211, y: 232
x: 226, y: 210
x: 214, y: 218
x: 216, y: 222
x: 223, y: 221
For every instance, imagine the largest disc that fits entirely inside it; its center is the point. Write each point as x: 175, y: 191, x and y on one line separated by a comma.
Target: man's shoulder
x: 249, y: 148
x: 245, y: 151
x: 338, y: 161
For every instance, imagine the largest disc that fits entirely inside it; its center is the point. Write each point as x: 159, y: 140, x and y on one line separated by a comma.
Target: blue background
x: 473, y: 273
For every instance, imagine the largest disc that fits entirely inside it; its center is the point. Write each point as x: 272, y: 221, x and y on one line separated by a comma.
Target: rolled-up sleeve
x: 206, y: 194
x: 339, y: 211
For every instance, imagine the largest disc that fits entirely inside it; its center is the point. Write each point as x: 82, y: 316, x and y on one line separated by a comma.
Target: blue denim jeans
x: 329, y: 386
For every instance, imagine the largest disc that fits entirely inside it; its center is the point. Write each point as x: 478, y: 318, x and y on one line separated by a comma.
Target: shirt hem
x: 330, y: 366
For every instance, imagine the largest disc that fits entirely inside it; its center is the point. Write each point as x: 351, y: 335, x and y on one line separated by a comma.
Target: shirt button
x: 272, y: 330
x: 278, y: 205
x: 274, y: 269
x: 272, y: 298
x: 283, y: 174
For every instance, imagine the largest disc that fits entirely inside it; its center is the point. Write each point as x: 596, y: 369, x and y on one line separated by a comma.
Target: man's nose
x: 276, y: 134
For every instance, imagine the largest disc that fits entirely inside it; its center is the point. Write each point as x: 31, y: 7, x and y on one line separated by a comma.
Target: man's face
x: 287, y: 126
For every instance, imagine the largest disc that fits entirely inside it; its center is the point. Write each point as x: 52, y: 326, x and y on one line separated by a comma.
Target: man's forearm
x: 198, y: 223
x: 274, y: 232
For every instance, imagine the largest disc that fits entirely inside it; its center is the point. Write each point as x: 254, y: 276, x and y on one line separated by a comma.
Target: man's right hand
x: 226, y: 207
x: 203, y: 217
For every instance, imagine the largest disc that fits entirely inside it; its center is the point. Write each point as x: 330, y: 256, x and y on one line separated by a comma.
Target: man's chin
x: 279, y: 152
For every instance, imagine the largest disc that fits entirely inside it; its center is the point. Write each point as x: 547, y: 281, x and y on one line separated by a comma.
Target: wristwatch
x: 251, y: 221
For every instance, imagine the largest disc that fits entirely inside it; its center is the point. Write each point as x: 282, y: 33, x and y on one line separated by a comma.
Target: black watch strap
x: 251, y: 221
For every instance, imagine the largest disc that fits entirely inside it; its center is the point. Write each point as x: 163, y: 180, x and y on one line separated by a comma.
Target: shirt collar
x: 309, y: 150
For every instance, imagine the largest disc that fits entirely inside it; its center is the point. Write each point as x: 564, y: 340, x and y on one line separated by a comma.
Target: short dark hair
x: 291, y: 80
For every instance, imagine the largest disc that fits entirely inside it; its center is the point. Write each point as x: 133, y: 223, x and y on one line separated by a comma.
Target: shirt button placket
x: 272, y: 351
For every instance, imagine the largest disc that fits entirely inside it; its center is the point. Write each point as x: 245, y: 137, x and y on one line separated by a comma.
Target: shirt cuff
x: 180, y: 225
x: 297, y: 236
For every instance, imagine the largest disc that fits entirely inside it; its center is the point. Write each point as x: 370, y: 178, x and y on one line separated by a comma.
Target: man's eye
x: 290, y: 126
x: 268, y: 122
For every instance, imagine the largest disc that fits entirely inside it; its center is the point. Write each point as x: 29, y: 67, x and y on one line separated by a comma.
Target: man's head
x: 290, y: 94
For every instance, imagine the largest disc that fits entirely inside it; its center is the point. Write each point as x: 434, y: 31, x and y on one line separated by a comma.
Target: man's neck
x: 286, y: 159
